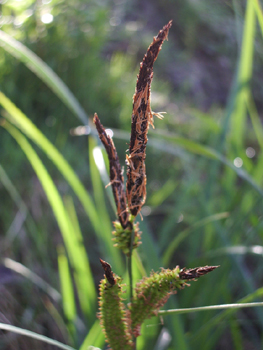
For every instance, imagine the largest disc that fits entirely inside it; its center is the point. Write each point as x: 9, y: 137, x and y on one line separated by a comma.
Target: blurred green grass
x: 204, y: 164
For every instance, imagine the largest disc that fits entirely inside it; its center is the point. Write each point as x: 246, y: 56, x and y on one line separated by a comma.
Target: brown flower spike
x: 196, y: 272
x: 142, y: 115
x: 116, y: 177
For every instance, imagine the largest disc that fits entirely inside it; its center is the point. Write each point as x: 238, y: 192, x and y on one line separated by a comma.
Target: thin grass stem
x: 211, y: 307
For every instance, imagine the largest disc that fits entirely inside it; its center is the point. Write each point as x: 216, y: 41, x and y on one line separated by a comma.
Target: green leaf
x: 244, y: 75
x: 34, y: 335
x: 16, y: 117
x: 67, y: 290
x: 95, y: 337
x: 61, y: 215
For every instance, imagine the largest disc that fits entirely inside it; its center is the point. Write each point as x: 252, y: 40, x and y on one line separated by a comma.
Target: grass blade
x: 33, y: 335
x: 82, y: 271
x: 16, y: 117
x: 56, y: 203
x: 25, y: 272
x: 44, y: 72
x: 67, y: 291
x: 244, y: 75
x: 95, y: 337
x: 106, y: 227
x: 185, y: 233
x: 210, y: 307
x: 259, y: 13
x: 229, y: 311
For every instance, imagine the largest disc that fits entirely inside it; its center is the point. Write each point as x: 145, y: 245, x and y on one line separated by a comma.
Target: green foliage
x: 204, y: 186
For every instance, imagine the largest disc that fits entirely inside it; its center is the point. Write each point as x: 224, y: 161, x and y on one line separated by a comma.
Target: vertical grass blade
x: 82, y: 271
x: 61, y: 215
x: 67, y: 291
x: 106, y: 227
x: 244, y: 76
x: 95, y: 337
x: 259, y: 12
x: 16, y: 117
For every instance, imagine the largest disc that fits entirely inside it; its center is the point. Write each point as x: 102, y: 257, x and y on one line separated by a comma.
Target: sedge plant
x: 122, y: 319
x: 122, y: 323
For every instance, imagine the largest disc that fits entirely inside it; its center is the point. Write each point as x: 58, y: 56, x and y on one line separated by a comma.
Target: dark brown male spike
x: 116, y: 177
x: 142, y: 115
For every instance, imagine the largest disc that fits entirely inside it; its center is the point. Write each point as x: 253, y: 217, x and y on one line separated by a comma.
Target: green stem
x: 130, y: 276
x: 130, y: 265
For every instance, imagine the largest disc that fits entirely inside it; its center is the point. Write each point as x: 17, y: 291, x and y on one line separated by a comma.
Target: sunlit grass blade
x: 34, y: 335
x: 44, y: 72
x: 114, y: 254
x: 244, y: 75
x: 95, y: 337
x: 82, y: 271
x: 15, y: 116
x: 56, y: 203
x: 185, y: 233
x: 67, y: 290
x: 100, y: 157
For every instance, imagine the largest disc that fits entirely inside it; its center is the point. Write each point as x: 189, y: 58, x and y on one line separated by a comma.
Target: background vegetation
x: 204, y: 165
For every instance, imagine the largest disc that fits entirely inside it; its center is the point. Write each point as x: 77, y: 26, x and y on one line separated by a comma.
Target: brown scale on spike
x: 116, y: 177
x: 196, y: 272
x: 108, y: 272
x: 142, y: 115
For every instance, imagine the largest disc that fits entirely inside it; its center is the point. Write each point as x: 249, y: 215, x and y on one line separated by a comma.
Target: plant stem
x: 130, y: 265
x: 130, y: 275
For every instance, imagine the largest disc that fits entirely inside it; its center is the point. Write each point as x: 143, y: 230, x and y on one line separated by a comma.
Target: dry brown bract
x: 108, y: 272
x: 116, y: 178
x: 142, y: 115
x: 196, y: 272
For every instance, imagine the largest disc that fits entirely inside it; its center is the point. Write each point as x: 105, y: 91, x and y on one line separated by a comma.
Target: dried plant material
x: 113, y: 314
x: 142, y: 115
x: 108, y: 272
x: 116, y: 177
x: 196, y: 272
